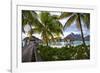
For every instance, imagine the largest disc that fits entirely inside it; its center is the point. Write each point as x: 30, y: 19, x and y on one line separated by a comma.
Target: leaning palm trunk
x: 47, y: 43
x: 81, y: 30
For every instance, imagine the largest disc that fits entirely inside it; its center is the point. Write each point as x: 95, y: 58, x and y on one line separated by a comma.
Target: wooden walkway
x: 29, y: 53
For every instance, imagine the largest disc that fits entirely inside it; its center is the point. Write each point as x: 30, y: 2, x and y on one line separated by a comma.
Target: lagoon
x: 62, y: 44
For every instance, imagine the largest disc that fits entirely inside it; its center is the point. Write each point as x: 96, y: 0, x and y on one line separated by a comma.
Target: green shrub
x: 48, y: 53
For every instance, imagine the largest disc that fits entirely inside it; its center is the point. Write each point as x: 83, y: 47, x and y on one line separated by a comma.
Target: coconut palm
x: 78, y: 17
x: 48, y: 27
x: 43, y: 23
x: 29, y: 18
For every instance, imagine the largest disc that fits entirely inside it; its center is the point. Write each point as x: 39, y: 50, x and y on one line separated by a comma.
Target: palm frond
x: 37, y: 30
x: 78, y: 23
x: 86, y: 19
x: 65, y: 15
x: 44, y: 17
x: 70, y: 21
x: 55, y: 16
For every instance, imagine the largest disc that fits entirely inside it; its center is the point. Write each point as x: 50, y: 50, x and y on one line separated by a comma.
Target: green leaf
x: 78, y: 23
x: 44, y: 17
x: 65, y: 15
x: 70, y: 21
x: 37, y: 30
x: 55, y: 17
x: 86, y: 19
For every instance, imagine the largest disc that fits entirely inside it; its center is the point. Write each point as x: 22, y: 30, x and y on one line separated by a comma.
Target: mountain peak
x: 73, y: 36
x: 76, y: 36
x: 72, y: 33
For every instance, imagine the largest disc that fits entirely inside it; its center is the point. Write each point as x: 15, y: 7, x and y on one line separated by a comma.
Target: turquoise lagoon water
x: 62, y: 44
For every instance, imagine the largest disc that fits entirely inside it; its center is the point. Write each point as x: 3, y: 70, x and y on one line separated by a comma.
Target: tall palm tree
x: 43, y: 23
x: 78, y: 17
x: 48, y: 27
x: 30, y: 18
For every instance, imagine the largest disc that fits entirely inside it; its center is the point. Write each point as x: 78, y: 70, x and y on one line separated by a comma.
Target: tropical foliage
x: 43, y: 23
x: 65, y: 53
x: 79, y: 18
x: 51, y: 29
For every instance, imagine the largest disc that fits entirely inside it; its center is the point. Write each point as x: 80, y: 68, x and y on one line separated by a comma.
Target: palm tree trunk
x: 81, y: 30
x: 47, y: 43
x: 30, y: 37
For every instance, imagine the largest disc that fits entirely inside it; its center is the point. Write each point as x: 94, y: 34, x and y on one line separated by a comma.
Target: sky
x: 73, y: 28
x: 69, y: 30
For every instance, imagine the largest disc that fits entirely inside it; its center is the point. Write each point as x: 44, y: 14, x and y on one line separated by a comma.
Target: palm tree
x: 78, y: 17
x: 43, y: 23
x: 30, y: 18
x: 48, y: 27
